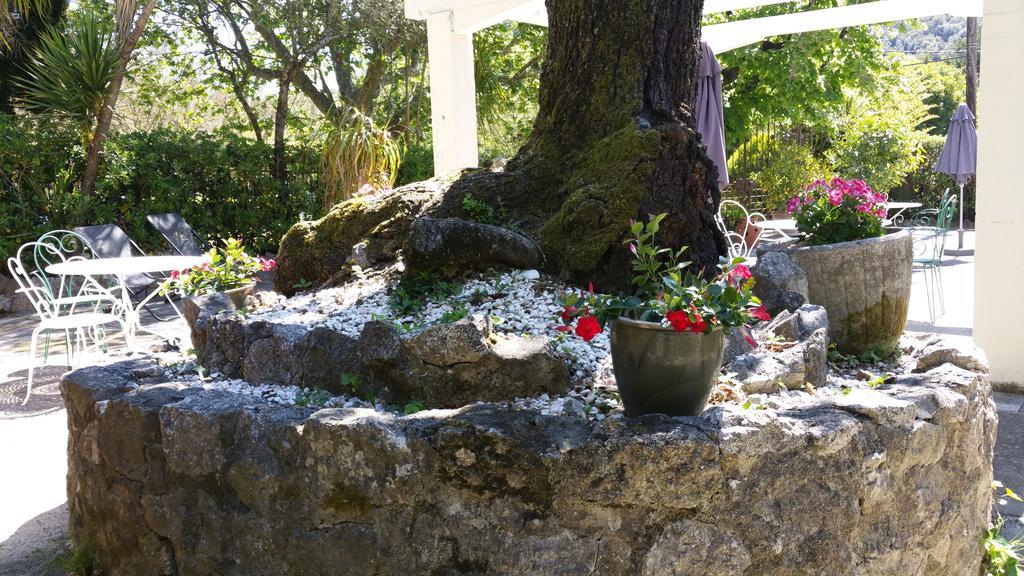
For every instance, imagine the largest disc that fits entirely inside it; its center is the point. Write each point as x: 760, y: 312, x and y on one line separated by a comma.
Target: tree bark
x: 279, y: 169
x: 106, y: 116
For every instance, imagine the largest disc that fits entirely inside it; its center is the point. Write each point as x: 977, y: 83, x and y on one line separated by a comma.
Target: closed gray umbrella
x: 707, y: 110
x: 959, y: 156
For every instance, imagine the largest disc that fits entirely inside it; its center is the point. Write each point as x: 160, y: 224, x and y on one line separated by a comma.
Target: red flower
x: 587, y: 328
x: 568, y: 312
x: 175, y: 274
x: 739, y: 274
x: 699, y: 325
x: 761, y: 314
x: 678, y: 319
x: 563, y: 328
x: 750, y: 339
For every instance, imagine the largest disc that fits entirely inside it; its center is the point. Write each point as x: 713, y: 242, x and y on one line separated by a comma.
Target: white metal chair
x: 61, y: 304
x: 744, y: 236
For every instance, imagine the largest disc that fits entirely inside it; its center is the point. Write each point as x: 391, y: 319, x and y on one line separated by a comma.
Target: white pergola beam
x: 731, y: 35
x: 715, y: 6
x: 477, y: 18
x: 421, y: 9
x: 452, y: 95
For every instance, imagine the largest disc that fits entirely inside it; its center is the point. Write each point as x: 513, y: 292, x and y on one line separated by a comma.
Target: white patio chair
x: 60, y: 304
x: 744, y: 238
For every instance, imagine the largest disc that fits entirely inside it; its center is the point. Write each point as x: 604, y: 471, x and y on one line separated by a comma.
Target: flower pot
x: 864, y: 285
x: 238, y: 295
x: 750, y: 232
x: 659, y: 370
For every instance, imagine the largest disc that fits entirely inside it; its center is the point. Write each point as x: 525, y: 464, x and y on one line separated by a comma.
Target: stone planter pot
x: 659, y: 370
x: 238, y: 295
x: 864, y: 285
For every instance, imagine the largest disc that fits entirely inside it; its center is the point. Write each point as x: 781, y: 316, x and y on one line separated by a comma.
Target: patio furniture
x: 110, y: 241
x: 744, y: 236
x: 123, y: 268
x: 929, y: 243
x: 178, y: 233
x: 81, y: 307
x: 896, y: 218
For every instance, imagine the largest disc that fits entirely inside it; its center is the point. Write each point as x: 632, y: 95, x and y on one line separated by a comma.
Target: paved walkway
x: 33, y: 512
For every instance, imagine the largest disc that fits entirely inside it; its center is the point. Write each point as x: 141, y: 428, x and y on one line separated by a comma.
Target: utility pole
x: 972, y: 66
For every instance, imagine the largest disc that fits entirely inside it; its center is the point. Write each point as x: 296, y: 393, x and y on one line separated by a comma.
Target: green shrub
x: 417, y: 164
x: 219, y: 182
x: 780, y: 169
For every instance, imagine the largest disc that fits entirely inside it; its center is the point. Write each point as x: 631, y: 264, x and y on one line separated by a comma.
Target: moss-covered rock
x: 312, y: 251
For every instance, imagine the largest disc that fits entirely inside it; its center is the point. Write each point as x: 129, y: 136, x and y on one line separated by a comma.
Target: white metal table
x: 899, y: 207
x: 783, y: 225
x: 122, y: 267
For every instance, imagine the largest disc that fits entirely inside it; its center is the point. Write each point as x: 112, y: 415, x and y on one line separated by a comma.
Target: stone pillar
x: 998, y: 316
x: 452, y: 95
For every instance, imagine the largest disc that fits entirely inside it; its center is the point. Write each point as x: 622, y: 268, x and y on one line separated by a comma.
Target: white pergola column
x: 999, y: 222
x: 452, y: 95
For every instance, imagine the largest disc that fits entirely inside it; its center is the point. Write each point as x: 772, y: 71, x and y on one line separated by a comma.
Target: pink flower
x: 793, y: 204
x: 175, y: 274
x: 738, y: 274
x: 761, y: 313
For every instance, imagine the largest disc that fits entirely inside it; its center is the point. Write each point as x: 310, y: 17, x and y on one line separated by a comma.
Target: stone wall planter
x: 661, y: 371
x: 864, y: 285
x: 164, y: 478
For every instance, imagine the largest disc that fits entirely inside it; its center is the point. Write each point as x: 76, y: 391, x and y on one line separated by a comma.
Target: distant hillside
x: 935, y: 38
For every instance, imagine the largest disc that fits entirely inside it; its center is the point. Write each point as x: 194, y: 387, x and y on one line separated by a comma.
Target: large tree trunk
x: 613, y: 140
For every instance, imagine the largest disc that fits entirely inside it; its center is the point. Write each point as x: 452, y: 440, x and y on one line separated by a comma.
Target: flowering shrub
x: 225, y: 269
x: 686, y: 302
x: 838, y: 210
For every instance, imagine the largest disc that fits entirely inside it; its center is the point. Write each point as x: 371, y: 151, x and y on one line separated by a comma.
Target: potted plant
x: 856, y: 268
x: 229, y: 270
x: 667, y: 338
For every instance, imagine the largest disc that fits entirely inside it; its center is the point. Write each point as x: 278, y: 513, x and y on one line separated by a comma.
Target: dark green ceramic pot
x: 661, y: 371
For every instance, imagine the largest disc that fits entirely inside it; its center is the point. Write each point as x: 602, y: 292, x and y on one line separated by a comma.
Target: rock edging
x: 167, y: 479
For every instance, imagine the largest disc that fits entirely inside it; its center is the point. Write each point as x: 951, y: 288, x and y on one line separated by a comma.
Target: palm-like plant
x: 70, y: 73
x: 357, y: 152
x: 9, y: 9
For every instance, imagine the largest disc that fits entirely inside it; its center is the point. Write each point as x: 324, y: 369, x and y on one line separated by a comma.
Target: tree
x: 798, y: 79
x: 130, y: 23
x: 612, y: 141
x: 20, y: 38
x: 70, y: 73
